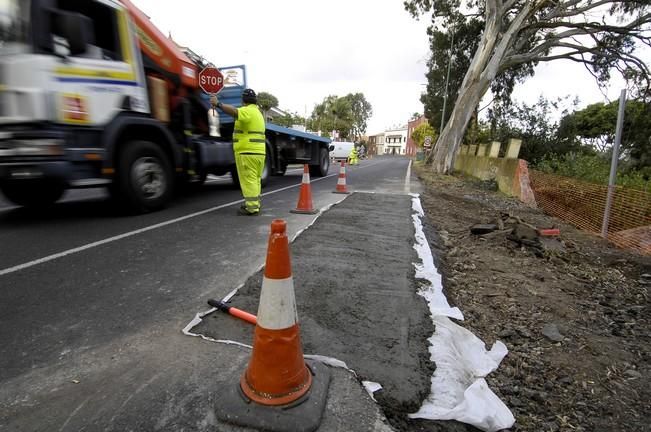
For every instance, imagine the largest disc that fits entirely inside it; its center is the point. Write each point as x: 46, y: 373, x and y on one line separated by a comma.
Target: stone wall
x: 510, y: 173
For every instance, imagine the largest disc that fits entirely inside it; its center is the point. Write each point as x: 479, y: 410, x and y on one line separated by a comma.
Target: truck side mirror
x: 76, y: 28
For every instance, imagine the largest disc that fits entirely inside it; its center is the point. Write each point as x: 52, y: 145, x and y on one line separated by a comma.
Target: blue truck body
x: 284, y: 145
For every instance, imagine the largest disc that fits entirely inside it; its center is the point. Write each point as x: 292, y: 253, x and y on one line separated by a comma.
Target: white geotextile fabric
x: 371, y: 387
x: 459, y: 390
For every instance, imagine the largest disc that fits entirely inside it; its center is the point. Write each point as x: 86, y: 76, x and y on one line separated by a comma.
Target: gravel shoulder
x: 576, y: 317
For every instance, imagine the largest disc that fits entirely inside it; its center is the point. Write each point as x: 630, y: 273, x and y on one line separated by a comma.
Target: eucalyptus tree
x: 603, y: 35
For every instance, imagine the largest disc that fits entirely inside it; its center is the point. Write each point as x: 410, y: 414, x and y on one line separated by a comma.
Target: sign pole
x: 613, y: 164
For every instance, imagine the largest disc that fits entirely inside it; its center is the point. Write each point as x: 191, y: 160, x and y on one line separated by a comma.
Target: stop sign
x: 211, y: 80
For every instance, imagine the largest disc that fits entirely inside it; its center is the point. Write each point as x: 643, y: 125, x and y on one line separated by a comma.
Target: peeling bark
x: 485, y: 66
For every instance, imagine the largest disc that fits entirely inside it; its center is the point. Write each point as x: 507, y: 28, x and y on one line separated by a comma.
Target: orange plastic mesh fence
x: 582, y: 204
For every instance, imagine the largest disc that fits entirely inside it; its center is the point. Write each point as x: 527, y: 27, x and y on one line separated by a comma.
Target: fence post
x: 613, y: 164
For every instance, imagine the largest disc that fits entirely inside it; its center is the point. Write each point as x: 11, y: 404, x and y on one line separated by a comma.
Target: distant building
x: 395, y: 141
x: 376, y: 144
x: 412, y: 147
x: 272, y: 113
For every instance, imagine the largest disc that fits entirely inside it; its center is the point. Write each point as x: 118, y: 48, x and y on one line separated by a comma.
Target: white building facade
x: 395, y: 141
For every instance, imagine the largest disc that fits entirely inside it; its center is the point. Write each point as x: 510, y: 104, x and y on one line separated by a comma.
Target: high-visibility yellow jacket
x: 248, y: 135
x: 353, y: 153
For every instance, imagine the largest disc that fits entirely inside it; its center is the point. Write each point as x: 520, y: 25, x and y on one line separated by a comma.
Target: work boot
x: 242, y: 211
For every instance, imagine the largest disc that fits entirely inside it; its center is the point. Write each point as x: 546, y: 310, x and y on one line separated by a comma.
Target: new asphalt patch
x: 356, y: 297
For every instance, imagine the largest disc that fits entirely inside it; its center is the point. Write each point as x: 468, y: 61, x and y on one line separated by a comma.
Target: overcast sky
x: 303, y: 51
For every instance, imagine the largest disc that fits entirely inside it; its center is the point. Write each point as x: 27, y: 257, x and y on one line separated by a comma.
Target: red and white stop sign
x: 211, y: 80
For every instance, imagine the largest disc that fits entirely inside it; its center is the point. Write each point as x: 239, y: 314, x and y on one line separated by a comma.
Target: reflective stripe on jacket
x: 248, y: 135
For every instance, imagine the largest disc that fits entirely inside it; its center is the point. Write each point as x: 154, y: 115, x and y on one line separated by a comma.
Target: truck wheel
x: 266, y: 171
x: 235, y: 178
x: 144, y: 178
x: 33, y: 194
x: 322, y: 168
x: 202, y: 175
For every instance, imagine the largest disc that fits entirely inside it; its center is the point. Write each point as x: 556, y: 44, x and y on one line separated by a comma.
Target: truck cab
x: 92, y: 94
x: 71, y: 76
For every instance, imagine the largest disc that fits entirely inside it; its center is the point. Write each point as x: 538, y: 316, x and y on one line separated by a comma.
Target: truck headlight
x: 35, y: 147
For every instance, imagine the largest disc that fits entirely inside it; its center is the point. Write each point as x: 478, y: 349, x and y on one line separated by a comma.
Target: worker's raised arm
x: 228, y: 109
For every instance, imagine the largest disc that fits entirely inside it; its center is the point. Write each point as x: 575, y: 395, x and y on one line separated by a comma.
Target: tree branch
x: 576, y: 11
x: 508, y: 5
x: 574, y: 29
x: 633, y: 26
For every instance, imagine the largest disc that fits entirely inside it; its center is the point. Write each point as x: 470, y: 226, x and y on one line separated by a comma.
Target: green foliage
x: 612, y: 45
x: 361, y: 111
x: 289, y: 120
x: 347, y: 115
x: 594, y: 168
x: 595, y: 126
x: 423, y: 130
x: 266, y: 101
x: 477, y: 132
x: 572, y: 147
x: 533, y: 124
x: 501, y: 42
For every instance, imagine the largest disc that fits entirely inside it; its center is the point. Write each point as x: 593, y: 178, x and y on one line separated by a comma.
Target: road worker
x: 249, y: 148
x: 352, y: 156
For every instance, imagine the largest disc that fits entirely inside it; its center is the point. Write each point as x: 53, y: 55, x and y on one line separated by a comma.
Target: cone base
x: 343, y: 193
x: 303, y: 415
x: 298, y: 211
x: 283, y: 400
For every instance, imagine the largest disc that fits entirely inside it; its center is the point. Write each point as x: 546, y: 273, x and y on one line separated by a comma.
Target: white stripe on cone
x: 277, y: 310
x: 341, y: 181
x: 306, y: 178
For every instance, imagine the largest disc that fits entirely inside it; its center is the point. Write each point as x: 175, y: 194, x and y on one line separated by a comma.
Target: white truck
x: 341, y: 150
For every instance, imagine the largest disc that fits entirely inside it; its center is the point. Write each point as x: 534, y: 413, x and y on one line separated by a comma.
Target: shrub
x: 594, y: 168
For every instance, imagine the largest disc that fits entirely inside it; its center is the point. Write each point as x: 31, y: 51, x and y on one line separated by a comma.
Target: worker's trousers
x: 249, y: 170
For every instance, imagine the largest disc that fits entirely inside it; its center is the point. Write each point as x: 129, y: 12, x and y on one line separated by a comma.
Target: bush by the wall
x: 594, y: 168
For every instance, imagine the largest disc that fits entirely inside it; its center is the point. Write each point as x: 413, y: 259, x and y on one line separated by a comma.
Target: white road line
x: 145, y: 229
x: 408, y: 179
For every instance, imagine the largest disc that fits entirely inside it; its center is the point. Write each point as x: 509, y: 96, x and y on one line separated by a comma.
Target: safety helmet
x: 249, y: 96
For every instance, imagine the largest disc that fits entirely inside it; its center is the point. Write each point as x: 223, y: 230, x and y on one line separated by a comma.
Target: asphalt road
x: 81, y: 284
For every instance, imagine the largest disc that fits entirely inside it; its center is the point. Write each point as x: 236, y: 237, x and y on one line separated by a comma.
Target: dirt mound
x: 576, y: 319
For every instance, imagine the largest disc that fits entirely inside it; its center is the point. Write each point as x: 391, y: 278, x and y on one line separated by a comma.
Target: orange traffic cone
x: 304, y: 205
x: 279, y: 391
x: 341, y: 181
x: 277, y: 374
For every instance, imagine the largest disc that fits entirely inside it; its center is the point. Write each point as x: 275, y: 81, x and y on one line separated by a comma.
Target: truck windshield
x: 13, y: 21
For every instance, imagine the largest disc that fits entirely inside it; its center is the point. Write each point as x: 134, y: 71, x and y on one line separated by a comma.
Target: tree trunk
x: 448, y: 142
x: 474, y: 85
x: 482, y: 71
